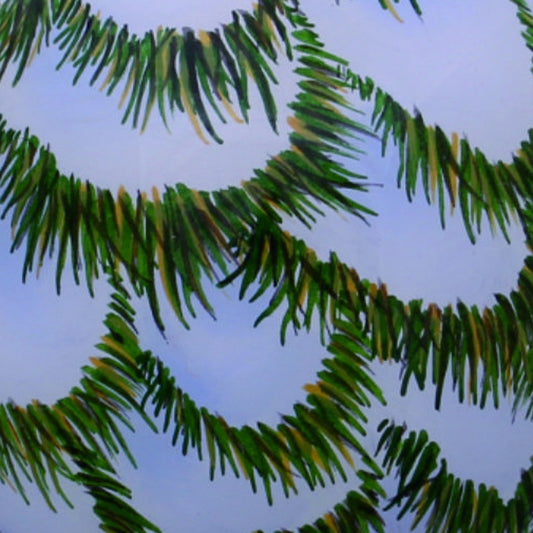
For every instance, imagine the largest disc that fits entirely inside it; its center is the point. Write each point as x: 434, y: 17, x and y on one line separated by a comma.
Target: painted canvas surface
x: 266, y: 267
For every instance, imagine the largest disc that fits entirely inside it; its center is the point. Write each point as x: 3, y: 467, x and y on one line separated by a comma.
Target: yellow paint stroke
x: 316, y: 390
x: 229, y: 108
x: 131, y: 79
x: 240, y: 459
x: 452, y: 174
x: 117, y: 380
x: 265, y: 254
x: 98, y: 48
x: 433, y: 161
x: 118, y: 207
x: 520, y: 153
x: 435, y: 316
x: 162, y: 59
x: 120, y: 218
x: 114, y: 345
x: 204, y: 38
x: 298, y: 126
x: 192, y: 116
x: 331, y: 522
x: 477, y: 355
x: 110, y: 73
x: 286, y: 465
x: 390, y: 7
x: 317, y: 459
x: 412, y: 140
x: 304, y: 290
x: 272, y: 32
x: 36, y: 47
x: 344, y: 451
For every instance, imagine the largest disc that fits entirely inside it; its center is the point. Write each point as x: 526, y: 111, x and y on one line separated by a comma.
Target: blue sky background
x: 464, y: 66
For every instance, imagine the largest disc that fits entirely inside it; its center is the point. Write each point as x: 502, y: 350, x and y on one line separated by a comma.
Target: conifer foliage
x: 183, y: 239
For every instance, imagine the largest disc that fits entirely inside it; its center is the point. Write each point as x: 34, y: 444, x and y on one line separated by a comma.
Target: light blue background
x: 465, y: 67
